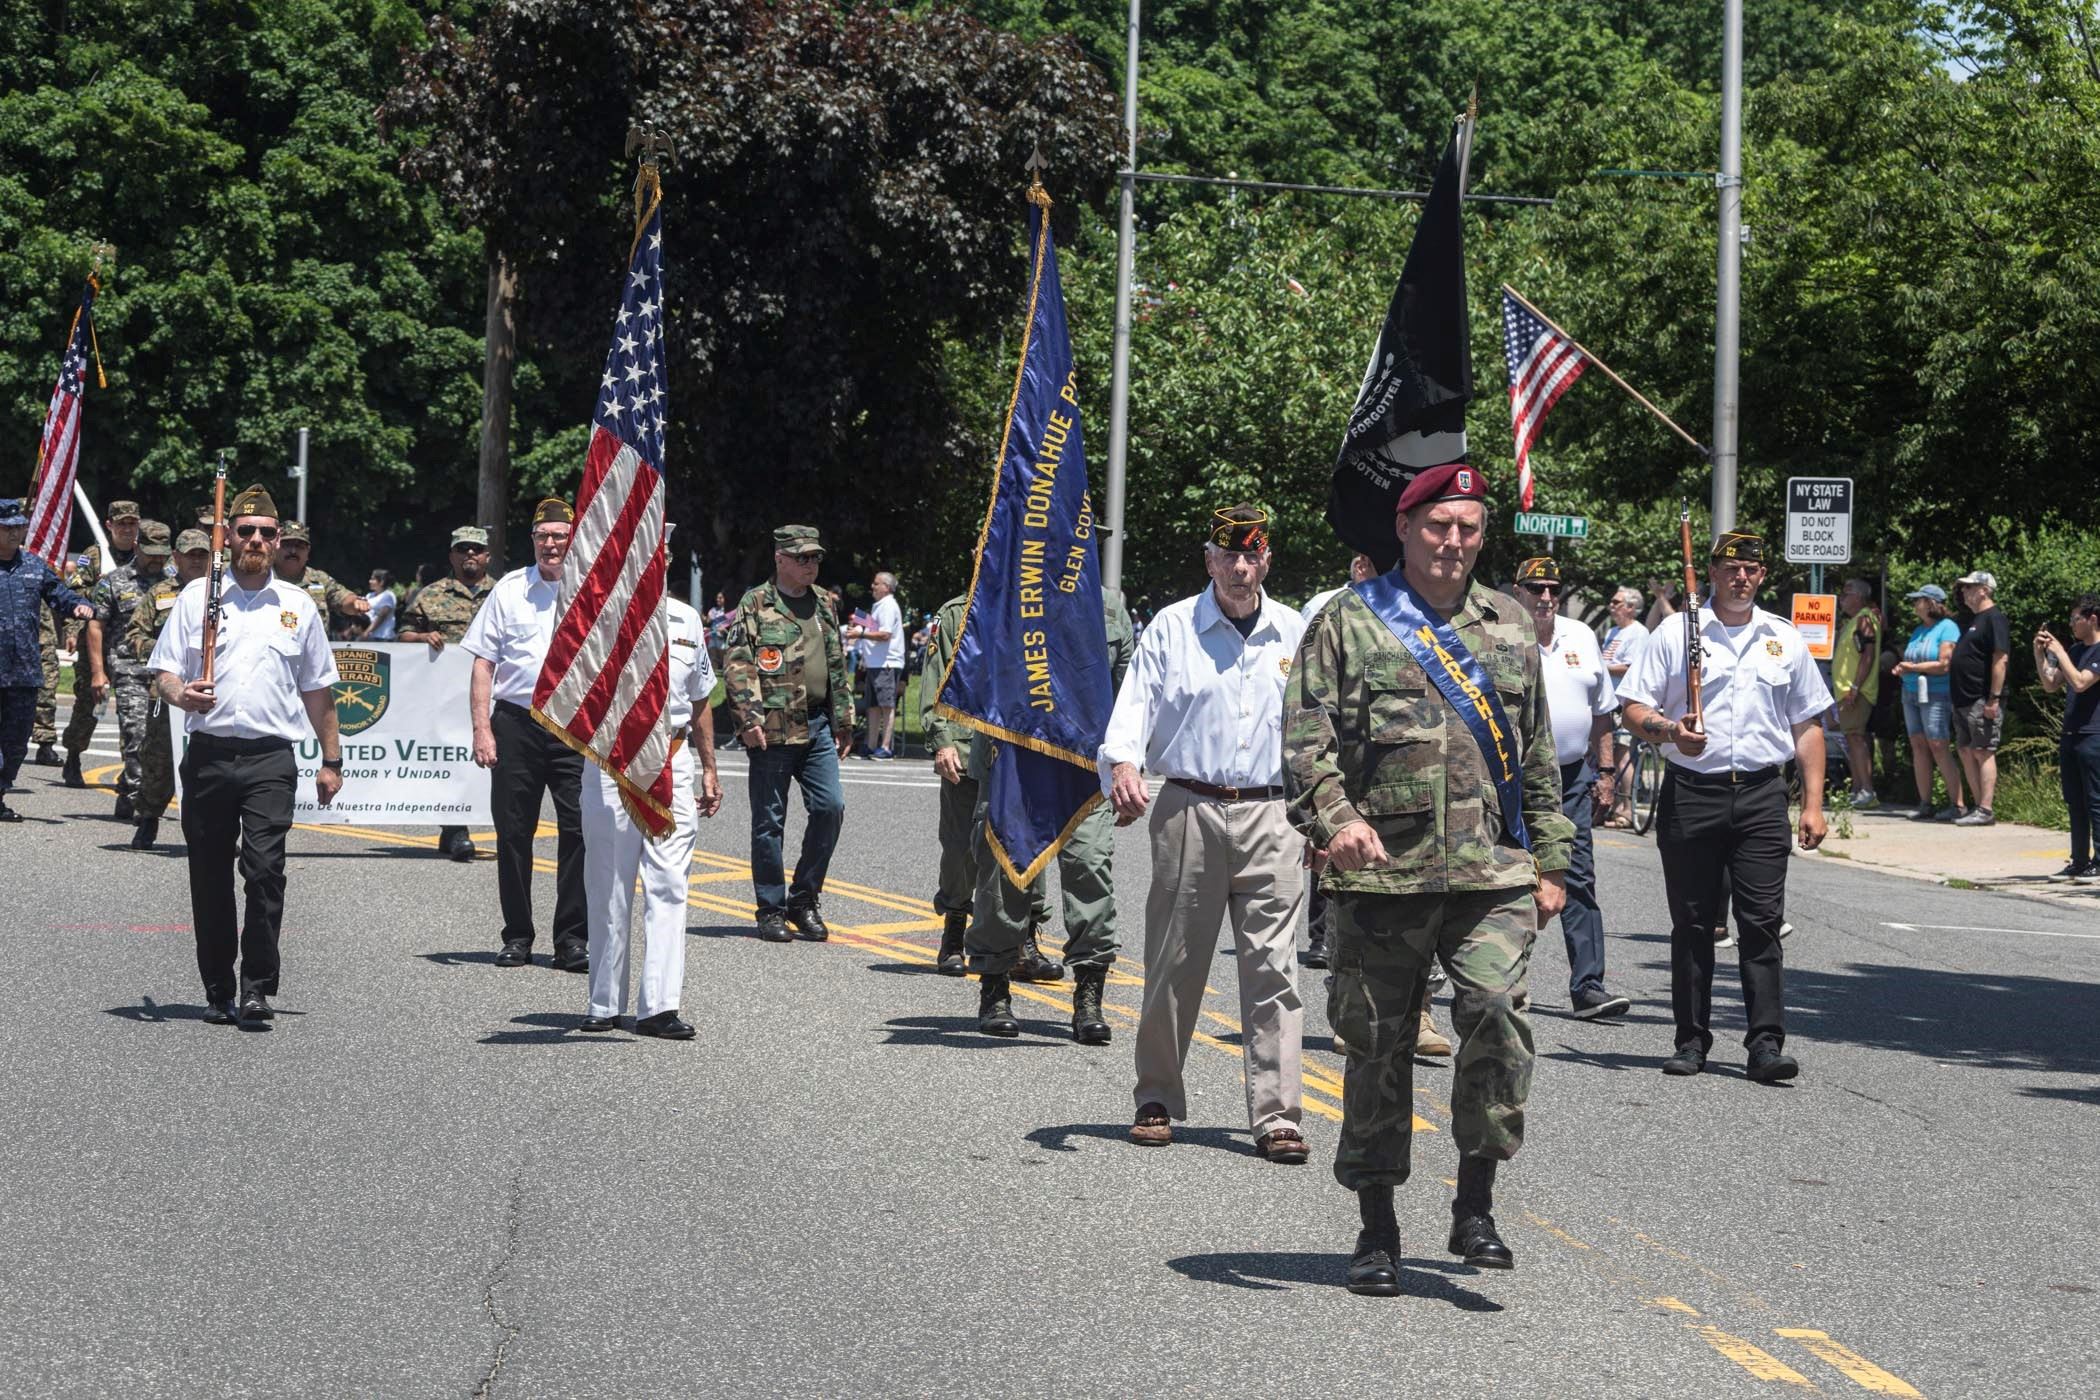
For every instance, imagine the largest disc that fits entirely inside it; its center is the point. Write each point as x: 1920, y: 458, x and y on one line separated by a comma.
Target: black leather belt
x: 1227, y: 794
x: 1733, y: 778
x: 220, y: 743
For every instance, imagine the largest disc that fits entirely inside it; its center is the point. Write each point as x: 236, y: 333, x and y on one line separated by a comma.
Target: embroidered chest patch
x: 770, y: 660
x: 289, y: 620
x: 1772, y: 646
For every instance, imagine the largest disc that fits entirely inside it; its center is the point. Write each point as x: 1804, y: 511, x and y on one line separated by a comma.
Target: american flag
x: 606, y: 677
x: 1543, y: 362
x: 51, y: 515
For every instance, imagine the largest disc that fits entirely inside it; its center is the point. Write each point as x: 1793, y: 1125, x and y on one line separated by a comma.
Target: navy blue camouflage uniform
x: 27, y: 587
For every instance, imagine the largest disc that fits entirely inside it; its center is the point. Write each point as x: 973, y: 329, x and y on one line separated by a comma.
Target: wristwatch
x: 334, y: 763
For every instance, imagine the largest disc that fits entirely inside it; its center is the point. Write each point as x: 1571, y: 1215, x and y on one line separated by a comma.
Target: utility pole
x: 1728, y: 277
x: 301, y: 474
x: 1119, y: 381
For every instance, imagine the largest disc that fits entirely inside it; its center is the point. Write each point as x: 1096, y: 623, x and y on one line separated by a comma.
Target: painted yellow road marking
x: 1677, y: 1305
x: 1750, y: 1356
x: 1856, y: 1368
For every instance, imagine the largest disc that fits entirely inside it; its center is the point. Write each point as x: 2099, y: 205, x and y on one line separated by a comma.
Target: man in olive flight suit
x: 793, y: 709
x: 1421, y: 862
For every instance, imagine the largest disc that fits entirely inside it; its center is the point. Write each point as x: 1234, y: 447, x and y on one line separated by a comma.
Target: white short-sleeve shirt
x: 1756, y: 683
x: 886, y: 617
x: 271, y: 649
x: 1623, y: 646
x: 692, y: 674
x: 514, y: 629
x: 1578, y: 688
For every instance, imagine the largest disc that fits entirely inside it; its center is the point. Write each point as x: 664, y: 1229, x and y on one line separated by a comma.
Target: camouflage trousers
x: 80, y: 725
x: 46, y: 730
x: 1382, y: 948
x: 134, y: 697
x: 959, y: 856
x: 1002, y: 914
x: 156, y: 787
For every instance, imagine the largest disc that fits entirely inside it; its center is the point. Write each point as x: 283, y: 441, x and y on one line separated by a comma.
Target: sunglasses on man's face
x: 1543, y: 590
x: 470, y: 549
x: 249, y: 532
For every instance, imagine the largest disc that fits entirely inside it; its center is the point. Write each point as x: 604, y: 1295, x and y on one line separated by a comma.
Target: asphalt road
x: 422, y: 1181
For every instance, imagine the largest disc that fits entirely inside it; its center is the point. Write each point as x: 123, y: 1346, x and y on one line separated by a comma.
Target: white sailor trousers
x: 615, y: 851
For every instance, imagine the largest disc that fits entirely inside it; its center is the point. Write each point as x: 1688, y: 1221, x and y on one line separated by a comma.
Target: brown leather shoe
x: 1153, y: 1128
x: 1283, y: 1146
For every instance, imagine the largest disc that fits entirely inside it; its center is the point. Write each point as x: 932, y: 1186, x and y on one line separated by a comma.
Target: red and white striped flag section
x: 1543, y: 362
x: 58, y: 457
x: 607, y: 675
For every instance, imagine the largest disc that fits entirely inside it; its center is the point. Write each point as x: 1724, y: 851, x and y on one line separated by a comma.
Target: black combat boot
x: 950, y: 961
x: 147, y: 833
x: 1088, y: 1027
x: 804, y: 916
x: 1473, y: 1235
x: 1033, y: 966
x: 995, y: 1006
x: 123, y: 812
x: 1374, y: 1269
x: 46, y: 756
x: 72, y: 776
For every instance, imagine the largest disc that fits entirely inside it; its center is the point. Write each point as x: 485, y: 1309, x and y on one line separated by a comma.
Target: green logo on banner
x: 361, y: 693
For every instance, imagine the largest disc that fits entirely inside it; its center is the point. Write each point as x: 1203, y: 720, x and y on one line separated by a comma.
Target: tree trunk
x: 500, y: 354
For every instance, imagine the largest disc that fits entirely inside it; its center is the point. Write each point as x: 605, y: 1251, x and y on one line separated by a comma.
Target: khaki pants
x: 1212, y: 862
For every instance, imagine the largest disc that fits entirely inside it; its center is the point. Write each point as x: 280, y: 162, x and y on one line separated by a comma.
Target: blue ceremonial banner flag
x: 1031, y: 665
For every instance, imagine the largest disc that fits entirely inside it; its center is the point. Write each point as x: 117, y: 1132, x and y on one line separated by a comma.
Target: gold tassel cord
x: 94, y: 341
x: 648, y: 194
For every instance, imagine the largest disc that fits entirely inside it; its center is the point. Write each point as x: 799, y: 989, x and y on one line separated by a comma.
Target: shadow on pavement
x: 1278, y: 1270
x: 961, y: 1032
x: 2089, y: 1094
x: 151, y: 1012
x: 723, y: 931
x: 1989, y: 1020
x: 482, y: 957
x: 1217, y: 1139
x: 178, y: 851
x: 550, y: 1028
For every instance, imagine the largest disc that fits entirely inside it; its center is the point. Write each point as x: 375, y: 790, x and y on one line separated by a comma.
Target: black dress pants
x: 1708, y: 827
x: 530, y: 765
x: 237, y: 803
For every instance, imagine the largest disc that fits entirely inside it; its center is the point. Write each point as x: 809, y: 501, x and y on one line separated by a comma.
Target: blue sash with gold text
x: 1435, y: 646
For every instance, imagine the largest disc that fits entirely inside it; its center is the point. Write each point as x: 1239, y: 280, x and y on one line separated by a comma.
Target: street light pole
x: 1119, y: 382
x: 1728, y: 269
x: 302, y: 478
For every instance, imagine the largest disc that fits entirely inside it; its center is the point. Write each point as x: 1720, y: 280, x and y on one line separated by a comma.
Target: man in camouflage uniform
x: 294, y: 547
x: 793, y: 709
x: 1001, y: 942
x: 1392, y: 789
x: 113, y: 670
x: 950, y: 744
x: 156, y: 786
x: 439, y: 616
x: 123, y: 528
x: 45, y: 734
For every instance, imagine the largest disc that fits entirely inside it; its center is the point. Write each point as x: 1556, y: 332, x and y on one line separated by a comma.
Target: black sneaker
x: 1770, y: 1066
x: 8, y: 814
x: 1688, y: 1060
x: 1592, y: 1004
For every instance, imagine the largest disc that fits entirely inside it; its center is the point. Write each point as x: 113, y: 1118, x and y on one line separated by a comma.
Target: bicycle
x: 1637, y: 771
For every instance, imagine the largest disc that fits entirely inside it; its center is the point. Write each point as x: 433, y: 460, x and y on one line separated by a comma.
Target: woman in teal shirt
x: 1928, y: 708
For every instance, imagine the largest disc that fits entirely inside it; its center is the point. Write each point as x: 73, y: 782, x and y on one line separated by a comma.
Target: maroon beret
x: 1454, y: 481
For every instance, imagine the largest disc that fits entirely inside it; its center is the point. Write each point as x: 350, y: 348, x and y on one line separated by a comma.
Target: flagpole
x: 1609, y: 372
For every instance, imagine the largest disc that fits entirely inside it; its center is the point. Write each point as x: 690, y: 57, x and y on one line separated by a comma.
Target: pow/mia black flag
x: 1411, y: 412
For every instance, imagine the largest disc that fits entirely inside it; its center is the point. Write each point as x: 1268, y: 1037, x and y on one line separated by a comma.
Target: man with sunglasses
x: 439, y: 615
x: 1583, y: 706
x: 272, y: 687
x: 1723, y: 810
x: 508, y: 639
x: 294, y: 547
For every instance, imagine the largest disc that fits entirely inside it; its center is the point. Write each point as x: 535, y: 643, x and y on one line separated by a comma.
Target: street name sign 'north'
x: 1819, y: 519
x: 1566, y: 527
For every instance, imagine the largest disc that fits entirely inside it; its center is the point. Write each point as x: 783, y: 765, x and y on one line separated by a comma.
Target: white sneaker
x: 1865, y: 802
x: 1723, y: 938
x: 1785, y: 929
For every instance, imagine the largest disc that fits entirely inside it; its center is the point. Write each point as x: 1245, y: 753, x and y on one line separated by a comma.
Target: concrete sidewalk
x: 2009, y: 857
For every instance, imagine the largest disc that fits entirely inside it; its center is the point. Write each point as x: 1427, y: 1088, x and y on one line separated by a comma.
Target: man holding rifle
x: 249, y: 660
x: 1749, y: 699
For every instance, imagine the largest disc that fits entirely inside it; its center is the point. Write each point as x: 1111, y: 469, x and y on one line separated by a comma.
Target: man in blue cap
x: 27, y: 586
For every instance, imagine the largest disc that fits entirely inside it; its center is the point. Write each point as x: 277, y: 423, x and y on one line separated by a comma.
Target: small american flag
x: 603, y: 687
x: 58, y: 458
x: 1543, y: 362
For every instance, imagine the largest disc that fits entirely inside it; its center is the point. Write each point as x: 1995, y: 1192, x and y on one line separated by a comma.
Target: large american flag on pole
x: 603, y: 687
x: 1543, y: 362
x: 58, y: 457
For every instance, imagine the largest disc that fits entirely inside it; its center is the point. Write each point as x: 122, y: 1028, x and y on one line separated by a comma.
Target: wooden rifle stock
x: 1694, y: 707
x: 218, y: 573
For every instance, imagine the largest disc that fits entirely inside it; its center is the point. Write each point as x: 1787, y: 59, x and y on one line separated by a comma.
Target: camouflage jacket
x: 445, y: 607
x: 155, y: 606
x: 764, y: 661
x: 114, y: 598
x: 1122, y: 645
x: 941, y: 733
x: 1367, y: 737
x: 328, y: 595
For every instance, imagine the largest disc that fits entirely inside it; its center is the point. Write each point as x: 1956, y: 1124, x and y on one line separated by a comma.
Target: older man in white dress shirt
x: 1202, y: 709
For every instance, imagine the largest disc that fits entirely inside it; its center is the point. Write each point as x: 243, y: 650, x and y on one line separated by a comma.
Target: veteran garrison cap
x: 123, y: 510
x: 294, y: 532
x: 192, y: 539
x: 798, y: 539
x: 1454, y: 481
x: 253, y: 501
x: 11, y: 511
x: 553, y: 511
x: 1240, y: 529
x: 471, y: 534
x: 1740, y: 545
x: 1539, y: 568
x: 153, y: 537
